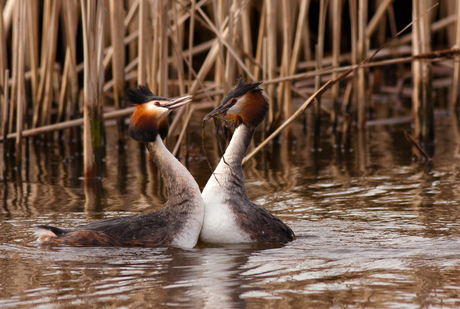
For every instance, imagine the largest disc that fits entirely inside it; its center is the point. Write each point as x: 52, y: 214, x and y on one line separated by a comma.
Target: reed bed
x: 66, y: 64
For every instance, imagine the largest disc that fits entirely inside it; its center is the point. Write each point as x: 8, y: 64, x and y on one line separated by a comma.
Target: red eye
x: 234, y: 101
x: 156, y: 103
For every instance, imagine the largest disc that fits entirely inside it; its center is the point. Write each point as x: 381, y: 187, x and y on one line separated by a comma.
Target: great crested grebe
x: 179, y: 222
x: 230, y: 217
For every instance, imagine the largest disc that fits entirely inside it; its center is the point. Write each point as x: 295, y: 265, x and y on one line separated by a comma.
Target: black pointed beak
x: 217, y: 111
x: 176, y: 103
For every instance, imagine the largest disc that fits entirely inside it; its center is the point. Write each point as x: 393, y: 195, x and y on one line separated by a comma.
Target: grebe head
x: 245, y: 104
x: 149, y: 117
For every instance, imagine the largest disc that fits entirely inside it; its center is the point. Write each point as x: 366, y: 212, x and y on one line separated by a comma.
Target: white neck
x: 184, y: 193
x: 230, y: 166
x: 173, y: 172
x: 220, y: 222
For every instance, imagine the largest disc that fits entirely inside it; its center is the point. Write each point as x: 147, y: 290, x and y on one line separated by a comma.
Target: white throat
x: 177, y: 179
x: 220, y: 223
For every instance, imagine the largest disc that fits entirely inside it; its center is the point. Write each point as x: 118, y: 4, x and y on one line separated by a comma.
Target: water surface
x: 375, y: 229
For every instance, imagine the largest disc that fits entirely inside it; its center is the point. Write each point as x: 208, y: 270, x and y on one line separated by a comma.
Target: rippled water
x: 374, y: 228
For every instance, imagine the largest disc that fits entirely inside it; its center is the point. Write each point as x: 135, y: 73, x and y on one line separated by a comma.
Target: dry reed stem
x: 182, y: 132
x: 117, y: 35
x: 392, y: 19
x: 14, y: 65
x: 286, y: 65
x: 92, y: 20
x: 3, y: 50
x: 65, y: 79
x: 132, y: 25
x: 378, y: 15
x: 362, y: 50
x: 320, y: 45
x: 307, y: 50
x: 164, y: 48
x: 154, y: 64
x: 381, y: 29
x: 427, y: 80
x: 229, y: 63
x: 318, y: 107
x: 8, y: 12
x: 48, y: 88
x: 260, y: 56
x: 416, y: 74
x: 33, y: 47
x: 142, y: 41
x: 456, y: 74
x: 271, y: 52
x: 148, y: 46
x: 190, y: 40
x: 353, y: 8
x: 219, y: 63
x: 178, y: 62
x: 21, y: 23
x: 131, y: 13
x: 265, y: 71
x: 43, y: 65
x: 448, y: 7
x: 2, y: 56
x: 88, y: 85
x: 336, y: 43
x: 247, y: 38
x: 393, y: 31
x: 346, y: 102
x: 71, y: 25
x: 319, y: 52
x: 303, y: 13
x: 5, y: 93
x: 45, y: 36
x: 100, y: 56
x: 416, y: 70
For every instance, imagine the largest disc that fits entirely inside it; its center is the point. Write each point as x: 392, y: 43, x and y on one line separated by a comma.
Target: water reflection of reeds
x: 374, y: 228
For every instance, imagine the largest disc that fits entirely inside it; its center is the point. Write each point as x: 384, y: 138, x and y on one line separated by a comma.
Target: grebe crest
x: 150, y: 115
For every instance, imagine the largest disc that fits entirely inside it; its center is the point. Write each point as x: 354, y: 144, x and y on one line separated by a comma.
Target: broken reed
x: 199, y: 48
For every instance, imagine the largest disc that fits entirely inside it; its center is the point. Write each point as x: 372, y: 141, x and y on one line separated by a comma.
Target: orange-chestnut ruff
x: 244, y: 104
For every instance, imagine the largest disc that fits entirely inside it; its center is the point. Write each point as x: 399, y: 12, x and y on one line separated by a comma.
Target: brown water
x: 374, y: 228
